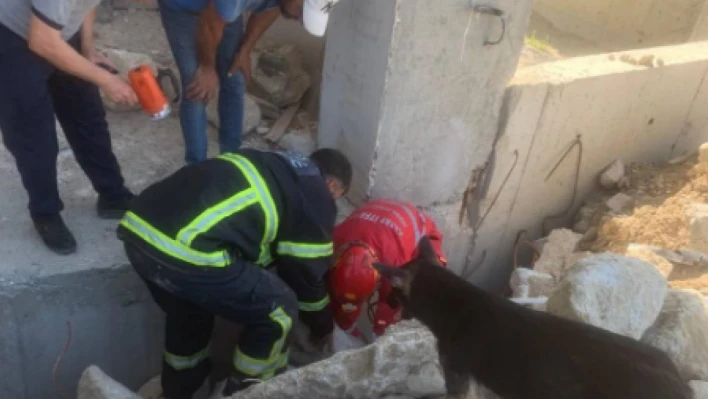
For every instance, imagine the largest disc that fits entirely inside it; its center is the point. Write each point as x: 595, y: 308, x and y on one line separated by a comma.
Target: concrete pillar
x: 412, y: 94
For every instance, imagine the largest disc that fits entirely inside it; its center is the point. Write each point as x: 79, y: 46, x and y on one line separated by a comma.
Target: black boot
x: 55, y: 234
x: 236, y: 384
x: 113, y: 209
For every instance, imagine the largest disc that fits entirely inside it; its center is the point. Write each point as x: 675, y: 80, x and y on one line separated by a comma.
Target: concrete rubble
x: 556, y: 252
x: 620, y: 202
x: 95, y: 384
x: 681, y: 330
x: 278, y: 75
x: 527, y: 283
x: 613, y: 175
x: 620, y: 294
x: 401, y: 364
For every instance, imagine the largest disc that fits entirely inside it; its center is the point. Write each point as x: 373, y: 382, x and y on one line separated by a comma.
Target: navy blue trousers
x: 32, y: 92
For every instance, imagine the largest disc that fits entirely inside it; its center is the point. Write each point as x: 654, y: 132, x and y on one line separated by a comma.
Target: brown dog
x: 520, y: 353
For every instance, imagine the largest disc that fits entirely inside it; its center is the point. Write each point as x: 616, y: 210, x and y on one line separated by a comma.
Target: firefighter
x: 204, y: 240
x: 386, y: 231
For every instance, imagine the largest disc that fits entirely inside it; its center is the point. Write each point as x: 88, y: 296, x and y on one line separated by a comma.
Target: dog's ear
x: 426, y: 251
x: 398, y: 277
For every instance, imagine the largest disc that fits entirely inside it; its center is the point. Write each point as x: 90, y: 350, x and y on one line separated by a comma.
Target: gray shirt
x: 64, y: 15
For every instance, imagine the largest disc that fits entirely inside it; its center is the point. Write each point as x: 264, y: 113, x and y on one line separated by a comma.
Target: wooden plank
x: 281, y: 125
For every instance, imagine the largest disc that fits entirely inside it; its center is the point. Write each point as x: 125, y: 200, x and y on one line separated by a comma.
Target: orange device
x: 150, y: 94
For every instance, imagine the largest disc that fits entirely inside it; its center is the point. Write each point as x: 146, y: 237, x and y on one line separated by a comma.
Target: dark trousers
x: 243, y: 293
x: 32, y: 92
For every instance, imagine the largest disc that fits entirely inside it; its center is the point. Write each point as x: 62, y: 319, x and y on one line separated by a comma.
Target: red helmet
x: 353, y: 278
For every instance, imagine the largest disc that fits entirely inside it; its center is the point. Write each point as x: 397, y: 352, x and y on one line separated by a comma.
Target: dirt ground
x: 662, y: 195
x: 544, y: 43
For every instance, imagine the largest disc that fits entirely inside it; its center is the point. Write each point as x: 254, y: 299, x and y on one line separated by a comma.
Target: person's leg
x: 188, y: 330
x: 80, y: 111
x: 265, y: 305
x: 232, y: 89
x: 29, y: 133
x: 181, y: 29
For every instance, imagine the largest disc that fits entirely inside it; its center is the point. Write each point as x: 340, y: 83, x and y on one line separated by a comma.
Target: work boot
x: 113, y: 209
x: 236, y: 384
x: 55, y: 234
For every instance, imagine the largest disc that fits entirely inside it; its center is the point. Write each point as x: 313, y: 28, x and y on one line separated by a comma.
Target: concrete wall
x: 623, y: 24
x: 619, y: 110
x: 115, y: 325
x: 412, y: 95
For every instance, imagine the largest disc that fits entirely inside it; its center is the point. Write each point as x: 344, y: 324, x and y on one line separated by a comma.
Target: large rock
x: 681, y: 330
x: 556, y: 252
x: 698, y: 219
x: 700, y: 389
x: 617, y: 293
x: 124, y: 61
x: 404, y: 362
x: 95, y: 384
x: 251, y: 115
x: 278, y: 75
x: 527, y: 283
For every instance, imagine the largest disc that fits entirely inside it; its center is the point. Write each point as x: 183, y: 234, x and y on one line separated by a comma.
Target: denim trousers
x: 181, y: 29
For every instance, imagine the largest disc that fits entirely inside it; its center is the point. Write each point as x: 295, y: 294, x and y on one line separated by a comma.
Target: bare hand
x: 242, y: 63
x: 203, y: 85
x: 119, y: 90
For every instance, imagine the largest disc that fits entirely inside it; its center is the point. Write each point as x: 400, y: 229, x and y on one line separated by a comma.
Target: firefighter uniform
x: 383, y: 230
x: 202, y: 240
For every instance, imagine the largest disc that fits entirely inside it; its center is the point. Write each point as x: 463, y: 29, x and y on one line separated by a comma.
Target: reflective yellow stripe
x: 186, y: 362
x: 266, y: 368
x: 302, y: 250
x: 210, y: 217
x: 314, y: 306
x: 172, y: 247
x: 266, y: 200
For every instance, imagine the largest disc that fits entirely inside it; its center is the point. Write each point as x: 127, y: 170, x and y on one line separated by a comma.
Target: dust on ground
x: 662, y: 194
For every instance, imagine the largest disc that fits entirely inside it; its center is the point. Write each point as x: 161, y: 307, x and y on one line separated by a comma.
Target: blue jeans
x: 181, y: 29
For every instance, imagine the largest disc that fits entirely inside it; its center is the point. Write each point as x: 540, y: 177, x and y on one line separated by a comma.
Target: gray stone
x: 620, y: 203
x: 612, y: 175
x: 698, y: 219
x: 124, y: 61
x: 620, y: 294
x: 557, y: 251
x: 527, y: 283
x: 251, y: 115
x: 95, y: 384
x: 700, y: 389
x: 278, y: 75
x: 681, y: 330
x: 403, y: 362
x: 104, y: 12
x: 298, y: 141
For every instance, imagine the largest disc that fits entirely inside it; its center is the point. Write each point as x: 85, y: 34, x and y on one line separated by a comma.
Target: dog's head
x: 403, y: 278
